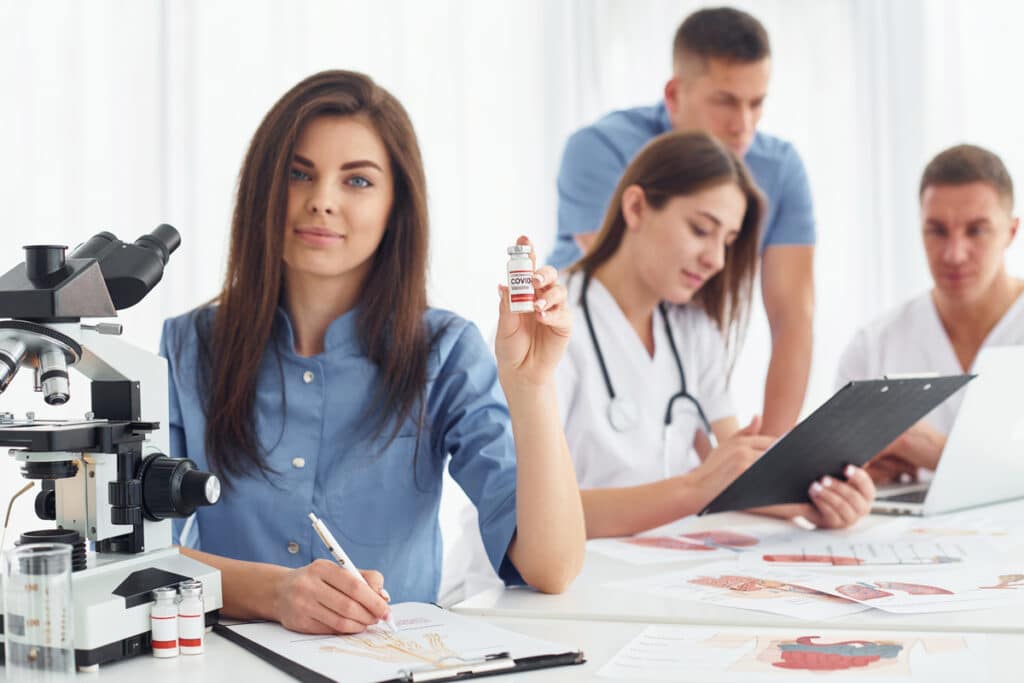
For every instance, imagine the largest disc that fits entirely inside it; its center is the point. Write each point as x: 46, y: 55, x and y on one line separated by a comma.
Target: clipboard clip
x: 467, y: 668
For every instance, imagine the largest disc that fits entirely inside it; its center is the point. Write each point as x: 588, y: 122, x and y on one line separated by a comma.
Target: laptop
x: 983, y: 461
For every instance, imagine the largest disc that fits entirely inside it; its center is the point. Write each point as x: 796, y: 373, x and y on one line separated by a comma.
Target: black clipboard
x: 491, y: 665
x: 855, y: 424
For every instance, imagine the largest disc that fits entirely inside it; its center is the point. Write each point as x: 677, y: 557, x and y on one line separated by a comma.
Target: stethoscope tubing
x: 681, y: 394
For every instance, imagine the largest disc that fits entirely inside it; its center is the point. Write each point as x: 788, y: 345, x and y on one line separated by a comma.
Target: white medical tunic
x: 911, y: 339
x: 647, y: 452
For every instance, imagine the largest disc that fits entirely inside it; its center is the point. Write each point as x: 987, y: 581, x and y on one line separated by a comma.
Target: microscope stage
x: 73, y: 436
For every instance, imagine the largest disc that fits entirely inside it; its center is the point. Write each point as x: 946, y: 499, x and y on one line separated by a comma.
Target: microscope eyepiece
x: 44, y: 262
x: 131, y: 270
x: 163, y: 240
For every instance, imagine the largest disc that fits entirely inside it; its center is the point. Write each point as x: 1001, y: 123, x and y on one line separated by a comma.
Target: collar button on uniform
x: 298, y: 463
x: 308, y: 376
x: 293, y: 548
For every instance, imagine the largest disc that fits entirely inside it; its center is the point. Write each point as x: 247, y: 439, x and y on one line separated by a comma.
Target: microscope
x: 106, y: 478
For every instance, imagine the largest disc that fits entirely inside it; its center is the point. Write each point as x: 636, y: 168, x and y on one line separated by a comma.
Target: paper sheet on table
x: 429, y: 638
x: 735, y: 655
x: 683, y: 542
x: 731, y: 585
x: 905, y: 592
x: 998, y: 523
x: 817, y: 553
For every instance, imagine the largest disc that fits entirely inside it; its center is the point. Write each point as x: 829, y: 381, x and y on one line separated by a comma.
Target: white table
x: 590, y: 598
x: 600, y: 621
x: 225, y: 662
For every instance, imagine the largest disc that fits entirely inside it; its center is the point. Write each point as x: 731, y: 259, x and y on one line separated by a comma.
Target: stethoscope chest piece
x: 622, y: 414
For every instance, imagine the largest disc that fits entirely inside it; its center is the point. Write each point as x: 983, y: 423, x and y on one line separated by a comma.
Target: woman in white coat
x: 643, y: 387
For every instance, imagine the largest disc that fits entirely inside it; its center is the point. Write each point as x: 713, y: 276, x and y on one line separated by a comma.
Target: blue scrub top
x: 595, y: 158
x: 380, y: 499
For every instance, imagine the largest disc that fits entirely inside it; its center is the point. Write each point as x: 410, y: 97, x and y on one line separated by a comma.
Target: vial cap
x: 165, y: 593
x: 517, y: 249
x: 191, y: 588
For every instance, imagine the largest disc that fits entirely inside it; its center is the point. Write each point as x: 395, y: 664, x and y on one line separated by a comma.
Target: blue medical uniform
x: 595, y: 158
x: 379, y: 497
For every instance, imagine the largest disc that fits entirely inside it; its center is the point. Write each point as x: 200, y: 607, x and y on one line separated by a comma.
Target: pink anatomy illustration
x: 861, y: 591
x: 719, y: 537
x: 696, y: 541
x: 913, y: 588
x: 834, y: 560
x: 665, y: 543
x: 880, y: 589
x: 1007, y: 582
x: 757, y: 587
x: 884, y: 654
x: 806, y: 655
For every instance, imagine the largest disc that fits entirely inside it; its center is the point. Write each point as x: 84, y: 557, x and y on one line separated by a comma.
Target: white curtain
x: 121, y: 115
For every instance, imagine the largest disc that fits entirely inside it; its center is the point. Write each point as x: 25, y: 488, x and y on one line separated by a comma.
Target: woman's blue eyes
x: 355, y: 181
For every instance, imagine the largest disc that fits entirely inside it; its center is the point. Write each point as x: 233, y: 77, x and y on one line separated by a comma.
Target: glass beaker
x: 37, y: 612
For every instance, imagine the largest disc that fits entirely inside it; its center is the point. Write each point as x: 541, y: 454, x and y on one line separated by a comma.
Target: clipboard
x: 850, y: 428
x: 488, y: 665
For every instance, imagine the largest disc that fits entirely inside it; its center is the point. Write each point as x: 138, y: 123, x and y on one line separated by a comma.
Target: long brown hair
x: 394, y: 296
x: 677, y: 164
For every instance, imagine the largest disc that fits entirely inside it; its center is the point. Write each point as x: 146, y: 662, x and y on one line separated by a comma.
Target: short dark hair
x: 721, y: 33
x: 966, y: 164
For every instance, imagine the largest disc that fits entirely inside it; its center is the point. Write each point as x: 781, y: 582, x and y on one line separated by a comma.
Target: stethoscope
x: 622, y: 413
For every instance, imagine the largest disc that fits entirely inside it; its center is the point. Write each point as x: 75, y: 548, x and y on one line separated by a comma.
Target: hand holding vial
x: 532, y: 335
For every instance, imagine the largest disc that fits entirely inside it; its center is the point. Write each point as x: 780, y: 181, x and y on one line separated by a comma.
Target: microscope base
x: 112, y: 601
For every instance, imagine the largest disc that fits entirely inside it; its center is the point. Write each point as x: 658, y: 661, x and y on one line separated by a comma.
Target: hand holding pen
x: 324, y: 598
x: 338, y: 553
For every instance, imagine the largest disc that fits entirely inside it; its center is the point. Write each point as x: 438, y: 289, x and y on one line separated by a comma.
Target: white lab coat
x: 911, y: 339
x: 603, y: 456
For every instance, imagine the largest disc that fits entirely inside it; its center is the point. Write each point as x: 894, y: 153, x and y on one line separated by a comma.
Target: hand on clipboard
x: 835, y: 503
x: 850, y: 428
x: 733, y: 456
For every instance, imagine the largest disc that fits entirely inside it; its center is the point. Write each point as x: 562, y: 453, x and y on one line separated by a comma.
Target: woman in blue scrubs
x: 320, y: 381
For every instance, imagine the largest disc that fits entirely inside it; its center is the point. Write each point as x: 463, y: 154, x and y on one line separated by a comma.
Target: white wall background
x: 123, y: 114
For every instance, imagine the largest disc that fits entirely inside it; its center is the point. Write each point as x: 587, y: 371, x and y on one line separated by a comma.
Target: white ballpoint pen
x: 339, y: 554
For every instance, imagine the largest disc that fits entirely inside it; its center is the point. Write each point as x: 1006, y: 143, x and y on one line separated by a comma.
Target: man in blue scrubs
x: 721, y: 67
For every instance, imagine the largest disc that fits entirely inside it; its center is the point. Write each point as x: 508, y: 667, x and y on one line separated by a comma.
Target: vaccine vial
x: 164, y: 622
x: 520, y: 279
x: 191, y: 617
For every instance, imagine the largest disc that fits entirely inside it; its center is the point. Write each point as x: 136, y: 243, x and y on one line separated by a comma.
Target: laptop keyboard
x: 910, y: 497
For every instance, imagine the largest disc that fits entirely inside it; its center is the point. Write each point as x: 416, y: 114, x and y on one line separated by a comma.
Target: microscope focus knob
x: 126, y: 515
x: 46, y: 505
x: 173, y: 487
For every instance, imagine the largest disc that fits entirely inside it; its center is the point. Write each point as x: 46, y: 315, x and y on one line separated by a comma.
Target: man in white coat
x: 967, y: 224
